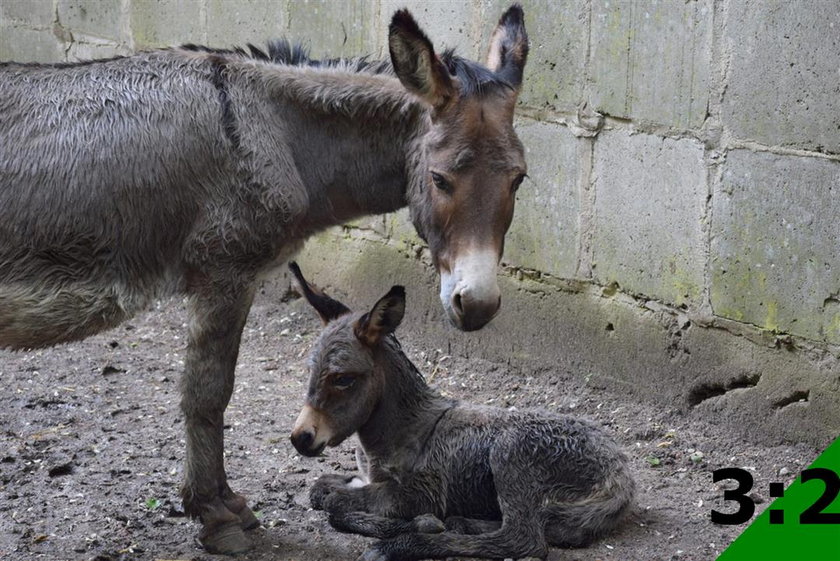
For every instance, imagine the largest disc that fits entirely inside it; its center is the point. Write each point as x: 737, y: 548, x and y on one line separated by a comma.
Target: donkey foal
x: 507, y: 483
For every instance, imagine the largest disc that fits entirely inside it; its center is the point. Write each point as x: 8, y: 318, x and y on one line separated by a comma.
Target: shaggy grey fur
x: 507, y: 483
x: 195, y: 171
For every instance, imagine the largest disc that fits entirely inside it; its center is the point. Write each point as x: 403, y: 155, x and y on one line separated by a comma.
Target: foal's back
x: 531, y: 453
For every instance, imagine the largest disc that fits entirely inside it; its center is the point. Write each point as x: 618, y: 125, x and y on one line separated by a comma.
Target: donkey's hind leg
x: 461, y: 525
x: 375, y: 526
x: 217, y: 317
x: 520, y: 533
x: 514, y: 539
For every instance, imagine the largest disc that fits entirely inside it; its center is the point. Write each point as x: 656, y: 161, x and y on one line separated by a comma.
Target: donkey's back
x: 566, y: 470
x: 104, y: 170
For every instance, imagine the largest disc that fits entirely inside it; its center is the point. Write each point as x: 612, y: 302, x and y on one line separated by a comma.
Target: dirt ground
x: 91, y: 448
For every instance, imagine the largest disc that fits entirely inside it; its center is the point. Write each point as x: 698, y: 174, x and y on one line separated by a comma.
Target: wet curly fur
x: 505, y: 483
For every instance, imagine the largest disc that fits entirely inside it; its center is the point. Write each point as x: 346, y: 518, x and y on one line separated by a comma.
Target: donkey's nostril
x: 302, y: 441
x: 457, y: 304
x: 306, y: 439
x: 469, y: 313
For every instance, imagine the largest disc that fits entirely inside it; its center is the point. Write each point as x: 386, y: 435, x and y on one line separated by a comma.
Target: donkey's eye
x: 517, y: 182
x: 343, y: 381
x: 441, y: 183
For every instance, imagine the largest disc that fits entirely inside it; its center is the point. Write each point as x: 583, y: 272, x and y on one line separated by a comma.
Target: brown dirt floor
x: 91, y: 447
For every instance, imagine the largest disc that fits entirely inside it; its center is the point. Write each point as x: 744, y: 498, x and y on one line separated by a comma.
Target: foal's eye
x: 517, y: 182
x: 441, y: 183
x: 343, y: 381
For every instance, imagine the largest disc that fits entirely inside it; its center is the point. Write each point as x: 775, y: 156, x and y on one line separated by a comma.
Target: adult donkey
x: 195, y: 171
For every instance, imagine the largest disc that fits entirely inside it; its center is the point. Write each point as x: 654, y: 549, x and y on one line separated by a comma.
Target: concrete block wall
x: 678, y: 239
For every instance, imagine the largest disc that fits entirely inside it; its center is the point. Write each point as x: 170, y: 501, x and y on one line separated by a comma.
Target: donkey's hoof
x: 227, y: 539
x: 247, y: 519
x: 324, y: 487
x: 318, y: 496
x: 428, y: 524
x: 373, y: 554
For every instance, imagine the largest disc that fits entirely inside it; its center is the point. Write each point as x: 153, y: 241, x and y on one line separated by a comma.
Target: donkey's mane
x: 282, y: 51
x: 399, y: 355
x: 474, y: 79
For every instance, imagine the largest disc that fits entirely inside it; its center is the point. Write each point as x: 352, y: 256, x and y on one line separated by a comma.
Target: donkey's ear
x: 326, y: 307
x: 509, y: 46
x: 383, y: 318
x: 416, y: 64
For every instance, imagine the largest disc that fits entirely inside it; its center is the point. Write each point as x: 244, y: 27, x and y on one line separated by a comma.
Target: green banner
x: 803, y: 524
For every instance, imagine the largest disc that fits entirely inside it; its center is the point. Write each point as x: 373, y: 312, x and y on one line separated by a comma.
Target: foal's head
x: 464, y: 204
x: 344, y: 385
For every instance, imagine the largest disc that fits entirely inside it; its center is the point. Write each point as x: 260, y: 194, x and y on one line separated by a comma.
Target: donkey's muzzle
x: 304, y: 442
x: 469, y: 291
x: 470, y: 314
x: 311, y: 432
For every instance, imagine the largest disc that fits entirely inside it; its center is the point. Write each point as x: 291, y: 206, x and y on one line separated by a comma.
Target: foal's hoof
x: 428, y: 524
x: 373, y: 555
x: 318, y: 496
x: 227, y: 539
x: 247, y: 520
x: 324, y: 487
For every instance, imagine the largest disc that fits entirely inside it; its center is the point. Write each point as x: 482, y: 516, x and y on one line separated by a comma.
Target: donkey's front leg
x: 375, y: 526
x: 413, y: 494
x: 333, y: 492
x: 217, y: 317
x: 382, y: 509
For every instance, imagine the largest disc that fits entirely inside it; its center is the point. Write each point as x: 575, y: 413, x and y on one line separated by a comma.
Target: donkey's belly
x: 37, y: 314
x: 472, y: 491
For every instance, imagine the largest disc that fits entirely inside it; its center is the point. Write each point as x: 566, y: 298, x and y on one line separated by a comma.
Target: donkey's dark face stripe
x: 474, y: 149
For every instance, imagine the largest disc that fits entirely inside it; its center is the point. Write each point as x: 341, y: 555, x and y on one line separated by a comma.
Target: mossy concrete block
x: 333, y: 29
x: 95, y: 50
x: 166, y: 23
x: 400, y: 228
x: 650, y: 200
x: 776, y: 244
x: 554, y: 74
x: 544, y: 232
x: 29, y: 45
x: 579, y: 339
x: 239, y: 23
x: 93, y: 18
x: 448, y: 24
x: 784, y: 85
x: 32, y: 13
x: 377, y: 224
x: 650, y: 61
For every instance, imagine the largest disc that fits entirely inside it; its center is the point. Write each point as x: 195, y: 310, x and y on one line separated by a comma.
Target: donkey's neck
x: 406, y: 414
x: 356, y: 139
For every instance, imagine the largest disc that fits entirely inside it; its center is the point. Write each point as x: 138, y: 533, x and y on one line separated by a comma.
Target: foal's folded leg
x: 461, y: 525
x: 514, y: 539
x: 375, y: 526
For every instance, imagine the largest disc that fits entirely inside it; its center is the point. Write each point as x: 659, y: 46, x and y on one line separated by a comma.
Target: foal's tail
x: 578, y: 524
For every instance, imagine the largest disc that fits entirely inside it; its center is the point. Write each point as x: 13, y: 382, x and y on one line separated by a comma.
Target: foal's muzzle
x: 312, y: 432
x: 304, y: 442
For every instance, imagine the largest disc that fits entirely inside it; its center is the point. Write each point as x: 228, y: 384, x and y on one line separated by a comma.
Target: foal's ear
x: 383, y: 318
x: 326, y: 307
x: 416, y: 64
x: 509, y: 46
